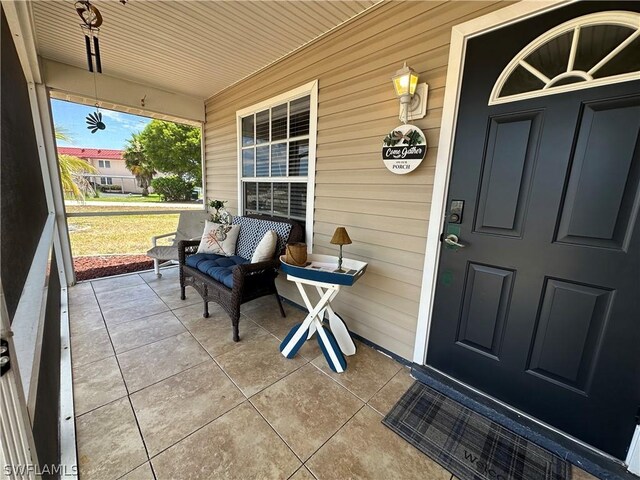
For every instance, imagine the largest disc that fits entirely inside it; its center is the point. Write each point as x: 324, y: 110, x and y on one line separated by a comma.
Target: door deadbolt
x: 455, y: 211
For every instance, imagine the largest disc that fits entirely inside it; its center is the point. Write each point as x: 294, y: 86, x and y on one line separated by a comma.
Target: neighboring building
x: 110, y: 165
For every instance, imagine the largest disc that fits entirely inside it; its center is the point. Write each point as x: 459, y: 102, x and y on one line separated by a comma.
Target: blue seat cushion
x: 218, y: 267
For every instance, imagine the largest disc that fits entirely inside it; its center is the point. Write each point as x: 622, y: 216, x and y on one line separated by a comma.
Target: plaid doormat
x: 467, y: 443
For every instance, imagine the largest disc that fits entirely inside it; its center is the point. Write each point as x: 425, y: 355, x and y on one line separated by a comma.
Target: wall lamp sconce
x: 413, y: 96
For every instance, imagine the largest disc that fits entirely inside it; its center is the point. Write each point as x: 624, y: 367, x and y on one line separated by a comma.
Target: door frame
x: 460, y: 34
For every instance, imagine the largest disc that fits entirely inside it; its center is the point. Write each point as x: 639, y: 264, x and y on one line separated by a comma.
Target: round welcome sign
x: 404, y: 148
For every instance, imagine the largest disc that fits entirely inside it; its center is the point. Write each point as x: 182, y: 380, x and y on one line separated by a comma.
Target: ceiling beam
x: 20, y: 20
x: 76, y: 84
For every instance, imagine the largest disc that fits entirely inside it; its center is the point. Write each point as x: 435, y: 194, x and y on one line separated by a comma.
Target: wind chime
x: 92, y: 19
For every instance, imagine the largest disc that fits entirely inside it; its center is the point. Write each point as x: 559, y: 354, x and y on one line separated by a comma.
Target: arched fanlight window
x: 593, y: 50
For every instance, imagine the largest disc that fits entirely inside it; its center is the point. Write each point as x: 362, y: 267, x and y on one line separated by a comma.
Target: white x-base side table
x: 335, y: 342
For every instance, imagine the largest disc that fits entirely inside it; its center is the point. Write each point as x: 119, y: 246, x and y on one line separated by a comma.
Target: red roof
x: 102, y: 153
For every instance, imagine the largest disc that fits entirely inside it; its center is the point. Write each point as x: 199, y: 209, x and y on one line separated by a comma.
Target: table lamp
x: 340, y: 237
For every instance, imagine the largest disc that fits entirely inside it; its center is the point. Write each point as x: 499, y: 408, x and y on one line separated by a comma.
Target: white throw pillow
x: 210, y: 243
x: 266, y: 247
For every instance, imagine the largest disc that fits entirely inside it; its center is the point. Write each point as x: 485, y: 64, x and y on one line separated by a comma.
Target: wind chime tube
x: 87, y: 44
x: 96, y: 50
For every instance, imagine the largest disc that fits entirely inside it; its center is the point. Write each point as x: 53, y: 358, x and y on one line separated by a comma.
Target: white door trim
x: 460, y: 34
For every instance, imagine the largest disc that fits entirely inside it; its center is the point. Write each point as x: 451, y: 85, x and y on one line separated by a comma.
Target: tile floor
x: 161, y: 392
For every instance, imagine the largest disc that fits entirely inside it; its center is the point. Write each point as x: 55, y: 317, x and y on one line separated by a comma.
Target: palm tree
x: 71, y: 176
x: 71, y: 172
x: 138, y: 163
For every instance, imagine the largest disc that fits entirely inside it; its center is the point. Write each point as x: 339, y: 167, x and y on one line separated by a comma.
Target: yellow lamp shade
x: 405, y: 81
x: 340, y: 237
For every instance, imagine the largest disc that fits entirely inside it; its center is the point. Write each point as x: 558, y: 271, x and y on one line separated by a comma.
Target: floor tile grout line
x: 132, y: 301
x: 383, y: 386
x: 214, y: 359
x: 120, y: 289
x: 334, y: 434
x: 277, y: 433
x: 310, y: 361
x: 167, y: 378
x: 134, y: 319
x: 122, y: 476
x: 133, y: 410
x: 156, y: 278
x: 146, y: 450
x: 352, y: 392
x: 265, y: 419
x: 335, y: 380
x: 117, y: 288
x: 246, y: 399
x: 69, y: 307
x: 104, y: 405
x: 153, y: 471
x: 262, y: 389
x: 154, y: 341
x: 165, y: 303
x: 77, y: 335
x: 294, y: 473
x: 250, y: 402
x: 197, y: 430
x: 149, y: 457
x: 135, y: 416
x: 136, y: 347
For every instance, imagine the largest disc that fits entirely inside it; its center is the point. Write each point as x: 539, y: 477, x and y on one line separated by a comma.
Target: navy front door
x: 541, y: 307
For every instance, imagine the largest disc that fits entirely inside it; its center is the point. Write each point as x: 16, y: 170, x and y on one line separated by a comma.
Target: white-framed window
x: 276, y: 156
x: 106, y: 181
x: 104, y: 163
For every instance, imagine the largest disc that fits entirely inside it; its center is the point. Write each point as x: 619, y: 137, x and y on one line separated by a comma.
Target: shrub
x: 172, y: 189
x: 111, y: 188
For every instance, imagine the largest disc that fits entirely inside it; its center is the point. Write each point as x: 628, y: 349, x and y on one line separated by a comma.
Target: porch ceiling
x: 192, y: 47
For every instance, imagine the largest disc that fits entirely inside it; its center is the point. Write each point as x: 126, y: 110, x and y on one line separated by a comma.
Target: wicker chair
x: 250, y: 280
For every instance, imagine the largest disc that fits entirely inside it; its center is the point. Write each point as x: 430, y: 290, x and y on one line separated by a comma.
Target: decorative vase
x: 296, y: 254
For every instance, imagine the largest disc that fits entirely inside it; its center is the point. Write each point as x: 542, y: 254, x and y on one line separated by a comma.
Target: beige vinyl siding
x: 386, y: 215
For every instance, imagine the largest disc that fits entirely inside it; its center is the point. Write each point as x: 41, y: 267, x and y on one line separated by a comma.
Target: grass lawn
x: 153, y: 198
x: 117, y: 234
x: 133, y: 197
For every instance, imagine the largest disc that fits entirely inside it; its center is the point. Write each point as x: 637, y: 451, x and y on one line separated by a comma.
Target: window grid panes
x: 587, y: 51
x: 275, y: 159
x: 280, y: 199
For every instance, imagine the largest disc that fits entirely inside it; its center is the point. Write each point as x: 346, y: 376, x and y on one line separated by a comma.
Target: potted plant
x: 217, y: 205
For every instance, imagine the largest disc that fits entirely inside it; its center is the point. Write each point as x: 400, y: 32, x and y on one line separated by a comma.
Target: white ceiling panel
x: 193, y: 47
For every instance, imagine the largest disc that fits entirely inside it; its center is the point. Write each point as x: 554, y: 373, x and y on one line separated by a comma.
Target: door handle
x: 452, y: 239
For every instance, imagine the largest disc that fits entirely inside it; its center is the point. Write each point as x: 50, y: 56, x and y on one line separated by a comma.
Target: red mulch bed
x: 88, y: 268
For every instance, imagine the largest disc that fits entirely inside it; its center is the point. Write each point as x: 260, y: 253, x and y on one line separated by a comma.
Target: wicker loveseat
x: 232, y: 281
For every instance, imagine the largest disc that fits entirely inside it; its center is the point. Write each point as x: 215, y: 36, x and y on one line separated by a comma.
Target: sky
x: 70, y: 117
